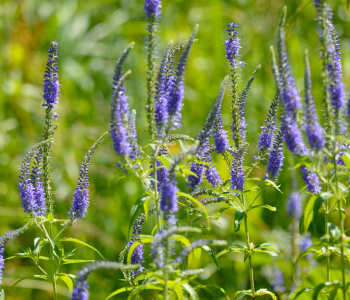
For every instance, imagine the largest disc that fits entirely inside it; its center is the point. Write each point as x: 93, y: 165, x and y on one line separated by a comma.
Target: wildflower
x: 334, y: 69
x: 276, y: 157
x: 162, y: 175
x: 31, y: 189
x: 213, y: 176
x: 80, y: 202
x: 237, y: 174
x: 123, y: 127
x: 278, y: 281
x: 81, y: 289
x: 161, y: 96
x: 137, y: 258
x: 220, y: 134
x: 294, y: 206
x: 305, y: 243
x: 289, y: 96
x: 267, y: 130
x: 194, y: 180
x: 168, y: 201
x: 152, y: 7
x: 119, y: 130
x: 176, y: 84
x: 311, y: 180
x: 292, y: 136
x: 289, y: 93
x: 314, y: 131
x: 232, y: 44
x: 51, y: 84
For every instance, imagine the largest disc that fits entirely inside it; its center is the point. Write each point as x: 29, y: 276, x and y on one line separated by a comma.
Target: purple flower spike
x: 80, y: 202
x: 168, y: 201
x: 198, y: 169
x: 311, y: 180
x: 237, y: 174
x: 276, y: 158
x: 293, y: 137
x: 152, y: 7
x: 232, y: 45
x: 220, y: 134
x: 293, y: 206
x: 267, y: 130
x: 51, y: 84
x: 31, y: 189
x: 314, y: 130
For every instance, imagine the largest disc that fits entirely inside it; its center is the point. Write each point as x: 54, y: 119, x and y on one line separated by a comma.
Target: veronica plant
x: 234, y: 190
x: 37, y: 197
x: 324, y: 165
x: 159, y: 170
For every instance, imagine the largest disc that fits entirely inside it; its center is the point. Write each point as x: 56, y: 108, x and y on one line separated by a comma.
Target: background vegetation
x: 91, y: 36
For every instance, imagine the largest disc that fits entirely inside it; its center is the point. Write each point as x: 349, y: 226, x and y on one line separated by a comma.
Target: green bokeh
x: 91, y: 36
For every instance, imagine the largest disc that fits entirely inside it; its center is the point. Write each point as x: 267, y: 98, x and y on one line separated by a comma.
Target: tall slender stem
x: 155, y: 184
x: 251, y: 271
x: 341, y: 222
x: 166, y: 272
x: 53, y: 269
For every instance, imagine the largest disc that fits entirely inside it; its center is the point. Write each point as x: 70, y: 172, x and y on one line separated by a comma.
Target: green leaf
x: 221, y: 210
x: 178, y: 291
x: 208, y: 249
x: 268, y: 250
x: 265, y: 292
x: 191, y: 291
x: 76, y: 261
x: 308, y: 212
x: 319, y: 288
x: 68, y: 281
x: 2, y: 295
x: 38, y: 244
x: 334, y: 292
x: 269, y: 207
x: 241, y: 294
x: 165, y: 160
x: 301, y: 292
x: 319, y: 201
x: 235, y: 248
x: 121, y: 290
x: 188, y: 172
x: 209, y: 287
x: 81, y: 243
x: 239, y: 216
x: 24, y: 278
x: 50, y: 217
x: 136, y: 208
x: 144, y: 287
x: 270, y: 182
x: 301, y: 255
x: 194, y: 200
x: 305, y: 223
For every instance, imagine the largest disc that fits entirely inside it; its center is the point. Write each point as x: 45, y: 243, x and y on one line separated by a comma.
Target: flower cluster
x: 80, y: 202
x: 311, y: 179
x: 51, y: 84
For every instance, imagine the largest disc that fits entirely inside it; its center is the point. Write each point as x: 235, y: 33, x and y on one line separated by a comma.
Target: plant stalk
x: 251, y: 271
x: 341, y: 223
x: 53, y: 271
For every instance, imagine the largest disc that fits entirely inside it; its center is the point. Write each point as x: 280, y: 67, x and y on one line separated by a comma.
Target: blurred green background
x: 91, y: 36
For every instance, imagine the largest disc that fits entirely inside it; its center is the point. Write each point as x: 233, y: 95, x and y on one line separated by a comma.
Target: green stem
x: 341, y: 222
x: 53, y: 270
x: 150, y: 72
x: 251, y: 271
